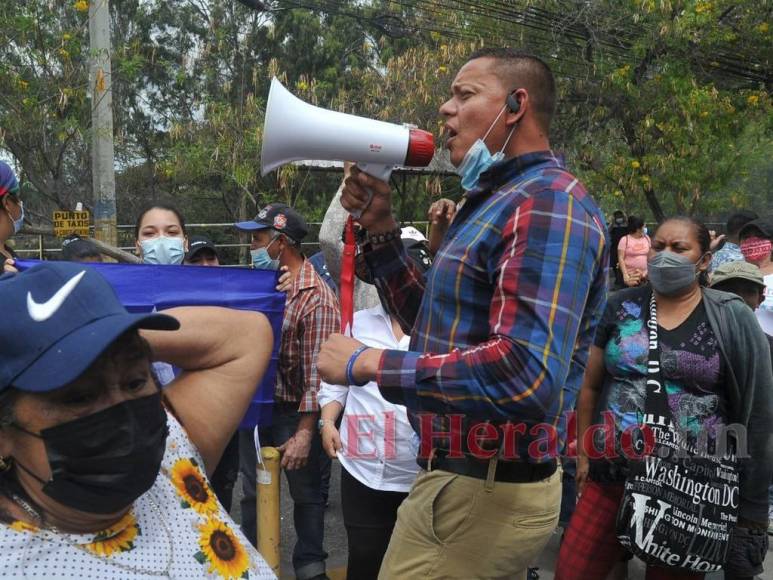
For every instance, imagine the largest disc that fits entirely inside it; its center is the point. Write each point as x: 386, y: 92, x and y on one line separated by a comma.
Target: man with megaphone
x: 500, y: 328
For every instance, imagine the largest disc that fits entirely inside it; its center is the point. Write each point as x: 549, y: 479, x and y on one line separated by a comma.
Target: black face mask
x: 101, y: 463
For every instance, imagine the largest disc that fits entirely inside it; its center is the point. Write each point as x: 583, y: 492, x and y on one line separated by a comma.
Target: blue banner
x: 145, y: 287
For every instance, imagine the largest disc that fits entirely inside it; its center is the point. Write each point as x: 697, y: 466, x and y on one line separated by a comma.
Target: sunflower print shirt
x: 177, y: 529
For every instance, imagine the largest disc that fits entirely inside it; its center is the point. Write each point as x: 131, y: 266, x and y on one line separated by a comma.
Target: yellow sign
x: 71, y: 222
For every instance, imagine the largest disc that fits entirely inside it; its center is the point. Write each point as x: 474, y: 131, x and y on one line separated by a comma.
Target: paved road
x: 335, y: 538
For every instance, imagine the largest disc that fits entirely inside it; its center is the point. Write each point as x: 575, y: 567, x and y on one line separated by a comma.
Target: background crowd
x: 503, y: 317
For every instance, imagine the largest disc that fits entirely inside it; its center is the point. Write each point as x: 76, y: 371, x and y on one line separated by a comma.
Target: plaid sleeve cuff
x: 385, y: 259
x: 396, y: 377
x: 308, y: 402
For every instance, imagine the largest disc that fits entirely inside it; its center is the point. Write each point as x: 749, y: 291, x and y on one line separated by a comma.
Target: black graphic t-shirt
x: 692, y: 370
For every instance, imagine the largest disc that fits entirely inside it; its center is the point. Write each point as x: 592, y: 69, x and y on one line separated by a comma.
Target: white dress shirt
x: 383, y: 455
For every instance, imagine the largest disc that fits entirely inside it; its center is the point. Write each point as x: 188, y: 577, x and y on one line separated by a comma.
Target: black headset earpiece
x: 513, y: 104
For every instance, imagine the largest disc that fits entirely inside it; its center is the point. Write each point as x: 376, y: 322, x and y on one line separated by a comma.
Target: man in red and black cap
x: 11, y: 210
x: 311, y: 315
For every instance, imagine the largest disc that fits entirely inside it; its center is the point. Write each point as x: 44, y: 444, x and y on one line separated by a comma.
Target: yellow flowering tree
x: 682, y: 127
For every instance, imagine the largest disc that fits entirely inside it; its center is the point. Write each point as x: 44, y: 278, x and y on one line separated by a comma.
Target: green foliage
x: 44, y: 112
x: 664, y: 104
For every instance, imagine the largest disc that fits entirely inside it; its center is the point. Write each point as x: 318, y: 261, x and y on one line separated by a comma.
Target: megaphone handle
x: 382, y: 172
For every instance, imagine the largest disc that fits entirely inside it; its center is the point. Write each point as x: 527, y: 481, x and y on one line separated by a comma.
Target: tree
x: 44, y: 112
x: 663, y: 104
x: 679, y: 131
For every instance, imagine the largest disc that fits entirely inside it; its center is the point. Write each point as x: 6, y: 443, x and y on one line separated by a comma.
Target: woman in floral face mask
x: 756, y: 247
x: 160, y: 235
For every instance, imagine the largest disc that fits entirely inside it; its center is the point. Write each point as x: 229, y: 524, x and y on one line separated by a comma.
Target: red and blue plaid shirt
x: 501, y: 326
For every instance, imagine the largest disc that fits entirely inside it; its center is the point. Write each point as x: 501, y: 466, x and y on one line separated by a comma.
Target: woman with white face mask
x: 11, y: 210
x: 160, y: 236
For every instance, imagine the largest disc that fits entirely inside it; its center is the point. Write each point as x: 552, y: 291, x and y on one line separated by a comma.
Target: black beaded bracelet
x: 385, y: 237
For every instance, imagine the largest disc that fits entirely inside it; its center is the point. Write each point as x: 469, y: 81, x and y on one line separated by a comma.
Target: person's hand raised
x: 441, y: 212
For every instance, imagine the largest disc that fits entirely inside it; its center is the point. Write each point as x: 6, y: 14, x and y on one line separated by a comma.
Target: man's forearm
x: 384, y: 226
x: 308, y: 422
x: 400, y: 282
x: 331, y: 411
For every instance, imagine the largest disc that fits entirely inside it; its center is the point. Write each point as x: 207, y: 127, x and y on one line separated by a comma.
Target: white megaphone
x: 295, y: 130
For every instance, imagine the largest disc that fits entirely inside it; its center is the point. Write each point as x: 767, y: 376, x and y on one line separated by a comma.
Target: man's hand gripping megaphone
x: 369, y: 201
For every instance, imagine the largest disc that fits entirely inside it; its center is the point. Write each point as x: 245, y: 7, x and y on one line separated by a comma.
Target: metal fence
x: 225, y: 236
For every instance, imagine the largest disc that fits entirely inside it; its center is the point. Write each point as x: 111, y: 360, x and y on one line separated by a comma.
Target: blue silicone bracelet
x: 350, y: 366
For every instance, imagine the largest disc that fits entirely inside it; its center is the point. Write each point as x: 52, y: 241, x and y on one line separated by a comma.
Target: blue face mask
x: 478, y: 158
x: 262, y: 260
x: 18, y: 223
x: 163, y: 250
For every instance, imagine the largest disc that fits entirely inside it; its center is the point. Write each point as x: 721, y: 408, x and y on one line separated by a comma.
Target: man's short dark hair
x: 520, y: 70
x: 738, y: 220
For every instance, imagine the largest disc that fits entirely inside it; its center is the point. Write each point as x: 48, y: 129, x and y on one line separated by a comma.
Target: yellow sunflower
x: 20, y: 526
x: 192, y: 487
x: 220, y: 547
x: 118, y: 538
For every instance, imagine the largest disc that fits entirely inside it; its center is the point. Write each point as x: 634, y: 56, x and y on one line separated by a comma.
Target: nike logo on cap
x: 42, y: 312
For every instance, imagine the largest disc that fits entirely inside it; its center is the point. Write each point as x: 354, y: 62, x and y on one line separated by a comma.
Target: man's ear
x: 518, y: 104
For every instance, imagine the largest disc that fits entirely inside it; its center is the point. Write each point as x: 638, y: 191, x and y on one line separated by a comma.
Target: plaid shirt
x: 311, y: 316
x: 501, y: 327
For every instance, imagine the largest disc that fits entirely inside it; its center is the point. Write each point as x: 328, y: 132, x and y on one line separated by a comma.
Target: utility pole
x: 102, y: 168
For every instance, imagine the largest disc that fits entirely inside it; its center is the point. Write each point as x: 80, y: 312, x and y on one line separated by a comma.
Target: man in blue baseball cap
x: 311, y: 315
x: 96, y: 471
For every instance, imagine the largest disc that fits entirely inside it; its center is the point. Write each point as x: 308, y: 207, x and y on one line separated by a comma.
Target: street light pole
x: 102, y: 154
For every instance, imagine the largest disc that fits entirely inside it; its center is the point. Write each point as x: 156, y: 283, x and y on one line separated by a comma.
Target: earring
x: 5, y: 464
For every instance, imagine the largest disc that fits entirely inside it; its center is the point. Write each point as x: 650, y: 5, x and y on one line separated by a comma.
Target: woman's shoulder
x: 734, y: 310
x: 726, y: 300
x: 178, y: 443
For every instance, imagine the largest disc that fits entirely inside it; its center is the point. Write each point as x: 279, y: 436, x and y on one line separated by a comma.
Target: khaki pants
x: 454, y: 526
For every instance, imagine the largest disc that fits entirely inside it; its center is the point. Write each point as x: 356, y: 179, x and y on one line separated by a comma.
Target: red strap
x: 347, y: 278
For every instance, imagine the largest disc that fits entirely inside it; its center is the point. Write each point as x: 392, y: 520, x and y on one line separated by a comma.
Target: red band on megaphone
x: 421, y: 148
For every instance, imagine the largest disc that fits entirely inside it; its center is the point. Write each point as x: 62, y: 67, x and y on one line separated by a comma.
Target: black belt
x: 506, y: 471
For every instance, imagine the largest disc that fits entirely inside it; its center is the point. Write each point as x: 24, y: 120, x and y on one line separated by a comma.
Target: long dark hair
x: 635, y: 223
x: 163, y: 206
x: 703, y: 236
